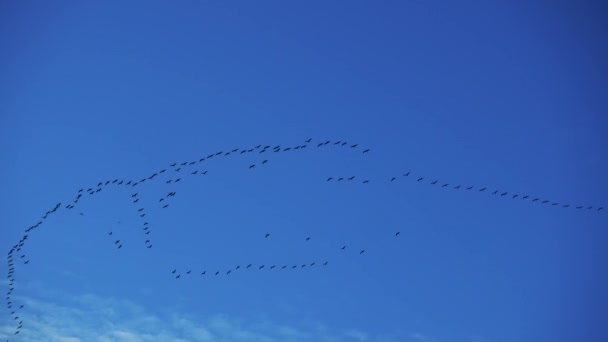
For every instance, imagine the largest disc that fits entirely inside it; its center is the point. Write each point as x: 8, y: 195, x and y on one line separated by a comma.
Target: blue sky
x: 503, y: 95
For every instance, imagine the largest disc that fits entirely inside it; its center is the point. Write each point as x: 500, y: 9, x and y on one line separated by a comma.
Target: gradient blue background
x: 510, y: 95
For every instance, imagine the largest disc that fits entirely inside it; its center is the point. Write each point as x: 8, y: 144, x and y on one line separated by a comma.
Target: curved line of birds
x: 259, y: 149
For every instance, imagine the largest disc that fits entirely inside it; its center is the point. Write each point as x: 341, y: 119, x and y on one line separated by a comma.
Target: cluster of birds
x: 496, y: 192
x: 191, y: 167
x: 262, y: 266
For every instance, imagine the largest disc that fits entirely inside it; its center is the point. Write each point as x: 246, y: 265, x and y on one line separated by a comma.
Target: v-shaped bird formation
x: 180, y: 171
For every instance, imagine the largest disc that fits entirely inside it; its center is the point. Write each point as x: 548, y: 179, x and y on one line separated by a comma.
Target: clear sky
x: 506, y: 96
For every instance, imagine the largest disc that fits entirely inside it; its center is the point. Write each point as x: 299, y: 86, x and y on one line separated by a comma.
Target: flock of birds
x: 174, y: 174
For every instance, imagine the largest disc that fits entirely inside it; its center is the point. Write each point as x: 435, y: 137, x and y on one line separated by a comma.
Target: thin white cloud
x: 356, y: 335
x: 94, y: 318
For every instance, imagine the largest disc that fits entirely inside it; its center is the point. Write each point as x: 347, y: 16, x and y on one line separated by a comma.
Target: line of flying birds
x: 182, y: 166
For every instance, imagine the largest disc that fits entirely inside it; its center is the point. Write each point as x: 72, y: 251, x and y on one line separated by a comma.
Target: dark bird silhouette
x: 174, y: 271
x: 444, y: 185
x: 366, y: 150
x: 393, y: 179
x: 228, y: 272
x: 188, y: 272
x: 110, y: 233
x: 435, y: 182
x: 177, y: 276
x: 177, y: 180
x: 265, y: 161
x: 580, y: 206
x: 135, y: 194
x: 238, y: 266
x: 545, y: 201
x: 355, y: 145
x: 173, y: 164
x: 140, y: 209
x: 536, y: 199
x: 307, y: 141
x: 136, y: 200
x: 149, y: 246
x: 261, y: 267
x: 120, y: 246
x: 469, y: 188
x: 482, y: 189
x: 397, y: 233
x: 343, y: 247
x: 308, y: 238
x: 554, y: 203
x: 195, y: 172
x: 419, y: 179
x: 341, y: 178
x: 249, y: 265
x: 515, y: 196
x: 117, y: 242
x: 362, y: 251
x: 166, y: 205
x: 325, y: 263
x: 503, y: 194
x: 366, y: 181
x: 406, y: 174
x: 203, y: 273
x: 251, y: 166
x: 600, y: 208
x: 351, y: 178
x: 267, y: 235
x: 525, y: 197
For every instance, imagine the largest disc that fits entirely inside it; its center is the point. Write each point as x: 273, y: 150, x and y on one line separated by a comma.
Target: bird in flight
x: 267, y: 235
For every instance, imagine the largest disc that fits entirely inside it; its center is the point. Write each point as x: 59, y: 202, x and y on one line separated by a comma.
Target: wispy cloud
x: 94, y: 318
